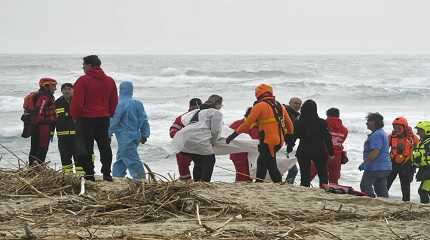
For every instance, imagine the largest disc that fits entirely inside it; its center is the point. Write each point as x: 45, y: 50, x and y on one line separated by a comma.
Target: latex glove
x: 361, y: 167
x: 231, y: 137
x: 143, y: 140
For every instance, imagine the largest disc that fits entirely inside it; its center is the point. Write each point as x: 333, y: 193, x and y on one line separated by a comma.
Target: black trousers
x: 88, y: 130
x: 203, y: 167
x: 265, y: 162
x: 292, y: 174
x: 67, y: 148
x: 305, y: 170
x: 424, y: 195
x: 40, y: 137
x: 406, y: 175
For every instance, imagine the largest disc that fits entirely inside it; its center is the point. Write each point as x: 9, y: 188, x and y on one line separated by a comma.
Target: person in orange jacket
x: 402, y: 142
x: 240, y: 160
x: 273, y: 124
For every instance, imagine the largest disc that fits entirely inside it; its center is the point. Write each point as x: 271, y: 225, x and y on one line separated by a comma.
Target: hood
x: 309, y: 110
x: 334, y: 123
x: 263, y: 89
x: 97, y: 72
x: 126, y: 89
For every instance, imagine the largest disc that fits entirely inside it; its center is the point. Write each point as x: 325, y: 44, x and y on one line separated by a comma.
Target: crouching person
x: 130, y: 126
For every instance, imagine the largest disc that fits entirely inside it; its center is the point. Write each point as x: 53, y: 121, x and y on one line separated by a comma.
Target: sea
x: 356, y: 84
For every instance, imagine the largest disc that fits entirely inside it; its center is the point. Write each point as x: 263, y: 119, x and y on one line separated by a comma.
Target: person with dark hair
x: 315, y: 144
x: 94, y: 101
x: 184, y: 160
x: 240, y: 160
x: 66, y: 132
x: 39, y: 119
x: 274, y: 125
x: 376, y: 158
x: 402, y: 141
x: 293, y: 109
x: 202, y: 129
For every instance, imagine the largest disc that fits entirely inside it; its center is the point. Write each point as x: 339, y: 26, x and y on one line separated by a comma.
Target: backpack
x: 29, y: 110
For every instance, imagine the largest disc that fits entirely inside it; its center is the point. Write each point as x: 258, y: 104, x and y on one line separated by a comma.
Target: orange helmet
x: 47, y: 81
x: 262, y: 89
x: 401, y: 121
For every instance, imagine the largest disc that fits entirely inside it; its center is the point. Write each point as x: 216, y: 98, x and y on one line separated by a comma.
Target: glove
x: 231, y: 137
x: 361, y: 167
x: 143, y: 140
x: 289, y: 148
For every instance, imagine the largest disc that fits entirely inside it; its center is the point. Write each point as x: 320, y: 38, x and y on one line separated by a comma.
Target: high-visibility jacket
x: 421, y: 154
x: 64, y: 124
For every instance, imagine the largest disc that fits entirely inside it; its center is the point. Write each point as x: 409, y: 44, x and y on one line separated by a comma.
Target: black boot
x: 107, y: 178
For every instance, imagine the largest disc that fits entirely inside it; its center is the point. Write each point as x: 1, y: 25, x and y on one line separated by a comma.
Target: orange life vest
x: 401, y: 148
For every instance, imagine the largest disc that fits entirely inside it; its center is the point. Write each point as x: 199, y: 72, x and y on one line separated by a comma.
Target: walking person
x: 94, y: 102
x: 131, y: 127
x: 273, y: 124
x: 376, y: 159
x: 315, y: 144
x: 402, y: 142
x: 184, y: 160
x: 66, y: 132
x: 202, y: 129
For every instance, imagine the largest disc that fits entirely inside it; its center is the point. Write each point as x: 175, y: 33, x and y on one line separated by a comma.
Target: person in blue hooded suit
x: 130, y: 126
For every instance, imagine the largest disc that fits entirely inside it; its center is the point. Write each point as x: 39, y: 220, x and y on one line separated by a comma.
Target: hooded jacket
x: 130, y: 122
x: 315, y: 139
x: 338, y: 133
x: 95, y: 95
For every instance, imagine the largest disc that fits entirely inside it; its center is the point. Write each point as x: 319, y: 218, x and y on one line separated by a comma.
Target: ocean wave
x: 10, y: 103
x: 248, y: 74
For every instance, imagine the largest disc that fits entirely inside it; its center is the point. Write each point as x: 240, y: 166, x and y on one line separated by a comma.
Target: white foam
x: 11, y: 103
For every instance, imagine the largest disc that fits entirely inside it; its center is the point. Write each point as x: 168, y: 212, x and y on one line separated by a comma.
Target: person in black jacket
x: 315, y: 143
x: 66, y: 131
x: 293, y: 109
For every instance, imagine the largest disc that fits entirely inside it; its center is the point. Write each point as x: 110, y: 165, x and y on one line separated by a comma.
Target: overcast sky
x: 215, y: 26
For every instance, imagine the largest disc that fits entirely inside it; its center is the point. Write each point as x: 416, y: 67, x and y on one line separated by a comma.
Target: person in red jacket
x: 42, y: 119
x: 94, y: 101
x: 338, y: 134
x: 240, y: 160
x: 184, y: 160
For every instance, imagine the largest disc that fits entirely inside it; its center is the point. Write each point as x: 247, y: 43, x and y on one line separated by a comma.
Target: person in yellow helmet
x: 421, y: 159
x: 273, y: 124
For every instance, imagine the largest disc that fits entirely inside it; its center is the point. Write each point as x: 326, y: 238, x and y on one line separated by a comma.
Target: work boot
x: 107, y: 178
x: 90, y: 178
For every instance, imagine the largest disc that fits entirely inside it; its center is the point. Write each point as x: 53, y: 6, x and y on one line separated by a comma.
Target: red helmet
x: 262, y: 89
x: 47, y: 81
x: 401, y: 121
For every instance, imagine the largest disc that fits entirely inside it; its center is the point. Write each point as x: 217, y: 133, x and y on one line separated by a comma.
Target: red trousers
x: 184, y: 162
x: 333, y: 168
x: 240, y: 161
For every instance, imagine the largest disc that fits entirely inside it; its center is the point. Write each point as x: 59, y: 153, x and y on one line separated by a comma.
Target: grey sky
x: 215, y: 27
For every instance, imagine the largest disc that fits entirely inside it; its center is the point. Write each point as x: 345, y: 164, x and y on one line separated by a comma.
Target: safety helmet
x: 401, y: 121
x: 425, y: 126
x: 47, y: 81
x: 262, y: 89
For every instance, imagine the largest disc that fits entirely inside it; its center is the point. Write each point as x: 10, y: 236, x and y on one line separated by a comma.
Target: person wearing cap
x: 66, y: 132
x: 131, y: 127
x: 42, y: 120
x: 202, y: 129
x: 184, y: 160
x: 421, y: 160
x: 93, y: 104
x: 273, y: 124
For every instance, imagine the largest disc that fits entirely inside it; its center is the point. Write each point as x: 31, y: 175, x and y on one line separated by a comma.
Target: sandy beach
x: 168, y: 210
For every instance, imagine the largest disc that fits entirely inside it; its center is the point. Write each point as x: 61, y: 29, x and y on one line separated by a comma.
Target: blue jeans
x: 128, y: 158
x: 375, y: 182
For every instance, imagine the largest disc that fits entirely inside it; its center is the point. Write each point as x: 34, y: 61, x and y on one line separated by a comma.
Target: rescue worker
x: 376, y: 158
x: 240, y: 160
x: 273, y: 124
x: 184, y: 160
x: 131, y: 127
x: 315, y: 144
x: 421, y: 159
x: 338, y: 134
x: 41, y: 108
x: 202, y: 129
x: 66, y: 132
x: 402, y: 142
x: 293, y: 109
x: 94, y: 101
